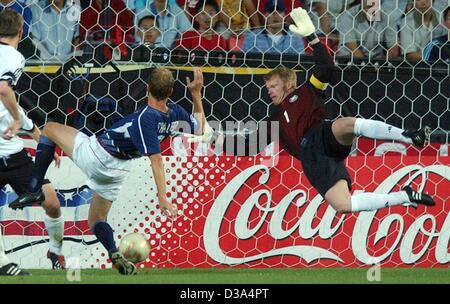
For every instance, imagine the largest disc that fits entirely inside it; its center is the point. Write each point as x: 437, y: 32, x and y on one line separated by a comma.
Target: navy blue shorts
x: 322, y: 157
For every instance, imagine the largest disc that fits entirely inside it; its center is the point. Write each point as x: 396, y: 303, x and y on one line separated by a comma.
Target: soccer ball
x: 134, y: 247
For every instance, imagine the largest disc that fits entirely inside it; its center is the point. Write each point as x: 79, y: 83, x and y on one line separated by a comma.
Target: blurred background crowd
x: 58, y: 30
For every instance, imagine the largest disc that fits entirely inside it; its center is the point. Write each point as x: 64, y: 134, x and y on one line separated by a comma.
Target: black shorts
x: 16, y: 171
x: 322, y: 157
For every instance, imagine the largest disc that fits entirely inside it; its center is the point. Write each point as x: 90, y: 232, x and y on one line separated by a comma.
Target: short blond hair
x: 160, y: 83
x: 11, y: 22
x: 284, y: 73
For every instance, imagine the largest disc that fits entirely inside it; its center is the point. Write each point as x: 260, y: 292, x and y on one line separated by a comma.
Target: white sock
x: 373, y: 201
x: 55, y: 229
x: 379, y: 130
x: 3, y: 258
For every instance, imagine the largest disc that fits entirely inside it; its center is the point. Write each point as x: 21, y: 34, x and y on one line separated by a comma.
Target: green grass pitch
x: 239, y: 276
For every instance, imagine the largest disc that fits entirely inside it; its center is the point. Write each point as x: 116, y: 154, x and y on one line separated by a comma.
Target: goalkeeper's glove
x: 207, y: 136
x: 303, y: 24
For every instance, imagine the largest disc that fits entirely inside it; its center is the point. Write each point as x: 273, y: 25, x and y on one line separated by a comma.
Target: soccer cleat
x: 12, y: 270
x: 27, y: 200
x: 418, y: 198
x: 420, y: 138
x: 58, y: 261
x: 124, y: 266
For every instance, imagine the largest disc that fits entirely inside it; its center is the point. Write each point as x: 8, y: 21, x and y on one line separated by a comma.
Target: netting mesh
x: 87, y: 67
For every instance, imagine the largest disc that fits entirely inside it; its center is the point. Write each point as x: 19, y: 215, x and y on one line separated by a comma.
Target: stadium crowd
x: 57, y: 30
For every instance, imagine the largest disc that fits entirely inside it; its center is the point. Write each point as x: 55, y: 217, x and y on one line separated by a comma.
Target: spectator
x: 367, y: 35
x: 86, y: 3
x: 439, y: 48
x: 440, y: 6
x: 171, y: 19
x: 395, y: 10
x: 112, y: 24
x: 325, y: 13
x: 21, y: 8
x: 55, y: 29
x: 147, y: 32
x: 188, y: 5
x: 274, y: 38
x: 289, y: 4
x: 26, y: 46
x: 204, y: 36
x: 421, y: 25
x: 139, y: 4
x: 237, y: 17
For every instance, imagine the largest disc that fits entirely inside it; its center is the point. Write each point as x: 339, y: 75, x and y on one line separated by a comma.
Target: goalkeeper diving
x: 320, y: 144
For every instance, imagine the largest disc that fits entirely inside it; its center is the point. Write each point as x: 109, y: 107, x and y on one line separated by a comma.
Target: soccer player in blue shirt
x: 106, y: 159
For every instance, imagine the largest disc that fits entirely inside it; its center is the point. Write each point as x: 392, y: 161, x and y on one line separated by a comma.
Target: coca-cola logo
x: 328, y: 227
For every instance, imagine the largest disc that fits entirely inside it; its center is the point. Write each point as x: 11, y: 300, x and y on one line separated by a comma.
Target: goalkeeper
x: 322, y: 145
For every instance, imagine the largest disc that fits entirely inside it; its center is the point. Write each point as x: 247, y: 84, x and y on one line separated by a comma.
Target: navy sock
x: 45, y: 152
x: 104, y: 234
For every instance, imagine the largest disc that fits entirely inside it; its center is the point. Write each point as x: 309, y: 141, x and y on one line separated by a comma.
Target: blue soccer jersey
x: 140, y: 133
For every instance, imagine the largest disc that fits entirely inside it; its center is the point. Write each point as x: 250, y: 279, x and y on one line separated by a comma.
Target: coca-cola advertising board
x: 250, y: 212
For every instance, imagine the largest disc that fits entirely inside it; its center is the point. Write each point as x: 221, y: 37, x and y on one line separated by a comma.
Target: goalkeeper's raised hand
x: 303, y: 24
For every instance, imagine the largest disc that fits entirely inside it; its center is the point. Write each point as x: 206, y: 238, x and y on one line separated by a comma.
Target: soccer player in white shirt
x: 15, y: 164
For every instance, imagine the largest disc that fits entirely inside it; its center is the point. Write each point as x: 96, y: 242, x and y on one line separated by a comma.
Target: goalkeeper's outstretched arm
x: 323, y: 69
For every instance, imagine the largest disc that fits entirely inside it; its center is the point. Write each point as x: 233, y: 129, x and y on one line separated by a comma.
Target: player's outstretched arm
x: 303, y: 25
x: 195, y: 87
x: 160, y: 179
x: 8, y: 98
x: 324, y: 64
x: 204, y: 131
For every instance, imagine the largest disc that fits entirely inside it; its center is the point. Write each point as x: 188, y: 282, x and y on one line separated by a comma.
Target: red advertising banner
x: 243, y: 212
x: 250, y: 212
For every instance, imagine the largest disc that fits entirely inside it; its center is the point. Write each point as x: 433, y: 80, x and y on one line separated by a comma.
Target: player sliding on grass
x: 322, y: 145
x: 106, y: 159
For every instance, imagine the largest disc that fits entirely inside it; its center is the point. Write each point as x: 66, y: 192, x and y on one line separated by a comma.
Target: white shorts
x: 105, y: 173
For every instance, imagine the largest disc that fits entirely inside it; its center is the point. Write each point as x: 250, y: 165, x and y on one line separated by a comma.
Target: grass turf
x: 239, y: 276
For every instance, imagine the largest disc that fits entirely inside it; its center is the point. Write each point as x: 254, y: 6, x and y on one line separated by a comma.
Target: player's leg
x: 53, y: 220
x: 6, y: 267
x: 347, y: 128
x: 53, y: 134
x: 341, y: 200
x: 339, y: 197
x: 61, y: 135
x: 3, y: 258
x: 54, y: 223
x: 98, y: 213
x: 322, y: 157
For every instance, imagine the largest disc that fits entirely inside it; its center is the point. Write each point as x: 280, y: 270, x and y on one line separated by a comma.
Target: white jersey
x: 11, y: 67
x: 12, y: 63
x: 15, y: 144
